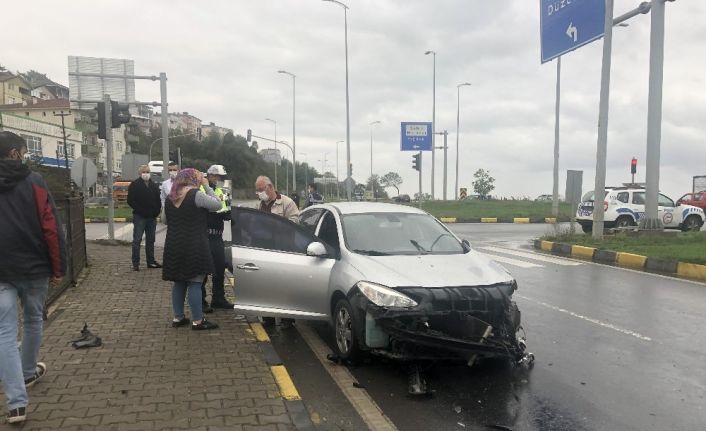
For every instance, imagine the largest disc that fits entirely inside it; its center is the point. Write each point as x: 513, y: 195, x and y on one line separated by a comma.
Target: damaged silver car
x: 391, y: 279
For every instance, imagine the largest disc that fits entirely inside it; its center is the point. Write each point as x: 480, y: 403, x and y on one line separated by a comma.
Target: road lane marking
x: 285, y: 383
x: 259, y: 331
x: 587, y: 319
x: 507, y: 260
x: 533, y: 256
x: 359, y: 398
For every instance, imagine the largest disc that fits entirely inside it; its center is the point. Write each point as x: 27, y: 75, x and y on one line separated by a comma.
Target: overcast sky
x: 222, y: 57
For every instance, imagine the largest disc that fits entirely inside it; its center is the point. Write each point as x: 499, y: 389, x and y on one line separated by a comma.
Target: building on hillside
x: 45, y: 142
x: 270, y: 155
x: 183, y: 121
x: 42, y: 110
x: 44, y: 88
x: 207, y: 129
x: 13, y: 88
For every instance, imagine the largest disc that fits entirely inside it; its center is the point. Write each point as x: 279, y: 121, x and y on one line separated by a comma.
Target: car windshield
x: 381, y: 234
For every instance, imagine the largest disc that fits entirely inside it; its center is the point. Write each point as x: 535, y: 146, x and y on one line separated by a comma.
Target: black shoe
x: 182, y: 322
x: 39, y: 372
x: 17, y: 415
x: 203, y: 326
x: 206, y: 308
x: 135, y: 267
x: 224, y: 304
x: 154, y: 265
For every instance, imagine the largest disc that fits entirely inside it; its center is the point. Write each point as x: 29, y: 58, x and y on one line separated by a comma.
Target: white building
x: 270, y: 155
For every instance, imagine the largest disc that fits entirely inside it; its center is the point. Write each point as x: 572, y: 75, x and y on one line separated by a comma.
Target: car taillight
x: 605, y: 205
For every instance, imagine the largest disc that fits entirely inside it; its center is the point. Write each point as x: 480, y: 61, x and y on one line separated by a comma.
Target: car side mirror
x: 316, y: 249
x: 466, y: 246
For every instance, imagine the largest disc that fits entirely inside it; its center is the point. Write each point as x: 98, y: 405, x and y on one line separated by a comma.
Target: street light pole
x: 433, y: 124
x: 555, y: 189
x: 275, y: 123
x: 458, y: 115
x: 349, y: 186
x: 338, y: 188
x: 294, y: 127
x: 371, y: 154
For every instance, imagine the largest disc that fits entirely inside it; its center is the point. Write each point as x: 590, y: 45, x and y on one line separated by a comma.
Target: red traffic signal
x: 633, y: 166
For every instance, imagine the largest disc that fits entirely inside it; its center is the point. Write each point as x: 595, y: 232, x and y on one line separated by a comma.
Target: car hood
x: 470, y: 269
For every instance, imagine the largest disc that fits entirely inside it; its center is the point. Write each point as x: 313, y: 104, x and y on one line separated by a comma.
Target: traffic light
x: 633, y: 166
x: 119, y: 114
x: 417, y: 161
x: 101, y: 119
x: 249, y: 137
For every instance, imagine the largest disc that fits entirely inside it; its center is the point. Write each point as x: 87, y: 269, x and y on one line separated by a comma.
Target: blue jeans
x: 148, y: 227
x: 179, y: 294
x: 16, y: 367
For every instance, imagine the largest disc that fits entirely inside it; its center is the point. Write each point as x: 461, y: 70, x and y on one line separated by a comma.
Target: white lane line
x: 520, y: 263
x: 533, y: 256
x: 358, y: 397
x: 587, y: 319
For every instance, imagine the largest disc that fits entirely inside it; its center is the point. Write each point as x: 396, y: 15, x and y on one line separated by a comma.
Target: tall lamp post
x: 294, y: 127
x: 371, y: 153
x: 349, y: 186
x: 338, y: 188
x: 433, y: 123
x: 458, y: 120
x: 275, y: 123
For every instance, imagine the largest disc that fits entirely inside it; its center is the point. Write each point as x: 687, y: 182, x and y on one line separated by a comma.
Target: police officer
x: 216, y: 176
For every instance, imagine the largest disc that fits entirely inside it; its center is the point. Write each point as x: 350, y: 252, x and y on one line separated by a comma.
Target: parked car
x: 401, y: 198
x: 391, y: 280
x: 694, y: 199
x: 625, y: 206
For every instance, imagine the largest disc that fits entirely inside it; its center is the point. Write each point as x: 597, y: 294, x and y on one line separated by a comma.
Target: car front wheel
x: 692, y: 223
x: 624, y: 221
x: 345, y: 331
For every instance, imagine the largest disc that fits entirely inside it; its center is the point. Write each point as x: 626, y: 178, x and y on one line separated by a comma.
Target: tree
x: 483, y: 184
x: 391, y: 179
x: 373, y: 184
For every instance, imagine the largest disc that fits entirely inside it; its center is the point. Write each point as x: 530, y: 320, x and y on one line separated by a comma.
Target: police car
x: 625, y: 206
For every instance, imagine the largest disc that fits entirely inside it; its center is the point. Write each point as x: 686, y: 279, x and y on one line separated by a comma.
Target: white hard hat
x: 216, y: 170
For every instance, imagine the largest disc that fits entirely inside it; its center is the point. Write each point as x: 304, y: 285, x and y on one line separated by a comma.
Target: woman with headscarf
x: 187, y: 256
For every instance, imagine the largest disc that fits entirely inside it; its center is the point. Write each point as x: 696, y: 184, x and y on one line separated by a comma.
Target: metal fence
x: 71, y: 215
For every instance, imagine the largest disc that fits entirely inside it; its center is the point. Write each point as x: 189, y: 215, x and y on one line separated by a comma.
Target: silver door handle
x: 248, y: 267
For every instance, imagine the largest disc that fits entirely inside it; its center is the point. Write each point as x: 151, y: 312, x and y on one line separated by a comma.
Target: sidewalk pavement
x: 147, y: 375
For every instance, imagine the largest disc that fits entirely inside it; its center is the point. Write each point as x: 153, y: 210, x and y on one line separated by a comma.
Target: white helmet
x: 217, y: 170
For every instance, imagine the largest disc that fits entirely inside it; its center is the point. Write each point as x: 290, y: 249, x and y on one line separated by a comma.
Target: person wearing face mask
x: 272, y: 201
x: 216, y: 175
x: 143, y: 197
x: 166, y: 186
x: 33, y: 254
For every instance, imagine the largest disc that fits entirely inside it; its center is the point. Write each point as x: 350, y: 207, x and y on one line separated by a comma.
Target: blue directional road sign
x: 415, y: 136
x: 569, y: 24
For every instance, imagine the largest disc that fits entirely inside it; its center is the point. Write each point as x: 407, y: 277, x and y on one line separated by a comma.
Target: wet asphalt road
x: 615, y: 349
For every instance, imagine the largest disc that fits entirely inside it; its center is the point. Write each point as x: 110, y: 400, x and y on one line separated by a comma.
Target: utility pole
x: 433, y: 124
x: 63, y: 114
x: 109, y: 162
x: 445, y: 147
x: 420, y: 179
x: 555, y: 190
x: 165, y: 125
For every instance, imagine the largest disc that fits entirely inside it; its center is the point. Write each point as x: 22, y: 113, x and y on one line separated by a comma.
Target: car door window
x: 623, y: 197
x: 328, y: 232
x: 256, y: 229
x: 638, y: 198
x: 664, y: 201
x: 698, y: 197
x: 310, y: 218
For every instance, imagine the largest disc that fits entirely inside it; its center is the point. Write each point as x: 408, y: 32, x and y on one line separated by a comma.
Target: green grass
x: 103, y: 212
x: 492, y: 208
x: 683, y: 246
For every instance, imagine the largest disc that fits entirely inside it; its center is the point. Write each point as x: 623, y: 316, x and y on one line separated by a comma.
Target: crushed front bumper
x: 462, y: 323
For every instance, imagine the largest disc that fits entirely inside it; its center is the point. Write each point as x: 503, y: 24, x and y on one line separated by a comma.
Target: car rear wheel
x: 624, y: 221
x: 345, y: 331
x: 692, y: 223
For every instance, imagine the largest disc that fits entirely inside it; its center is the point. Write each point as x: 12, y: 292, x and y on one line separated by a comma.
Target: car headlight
x: 384, y: 296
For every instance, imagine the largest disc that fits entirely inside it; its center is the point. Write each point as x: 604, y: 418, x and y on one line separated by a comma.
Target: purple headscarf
x: 185, y: 178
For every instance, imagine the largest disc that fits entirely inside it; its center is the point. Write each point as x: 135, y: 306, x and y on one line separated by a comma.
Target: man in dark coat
x: 143, y: 196
x: 32, y: 255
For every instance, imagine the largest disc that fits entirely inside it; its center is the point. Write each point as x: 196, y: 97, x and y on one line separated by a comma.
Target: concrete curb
x: 115, y: 220
x: 518, y: 220
x: 625, y: 260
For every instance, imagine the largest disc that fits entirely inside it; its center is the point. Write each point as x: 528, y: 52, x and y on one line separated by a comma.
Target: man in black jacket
x: 32, y: 254
x: 143, y: 198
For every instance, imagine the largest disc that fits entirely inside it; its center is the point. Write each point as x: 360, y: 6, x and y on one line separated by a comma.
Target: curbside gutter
x: 625, y: 260
x: 518, y: 220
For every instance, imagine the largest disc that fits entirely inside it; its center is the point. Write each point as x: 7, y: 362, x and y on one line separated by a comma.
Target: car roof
x: 373, y: 207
